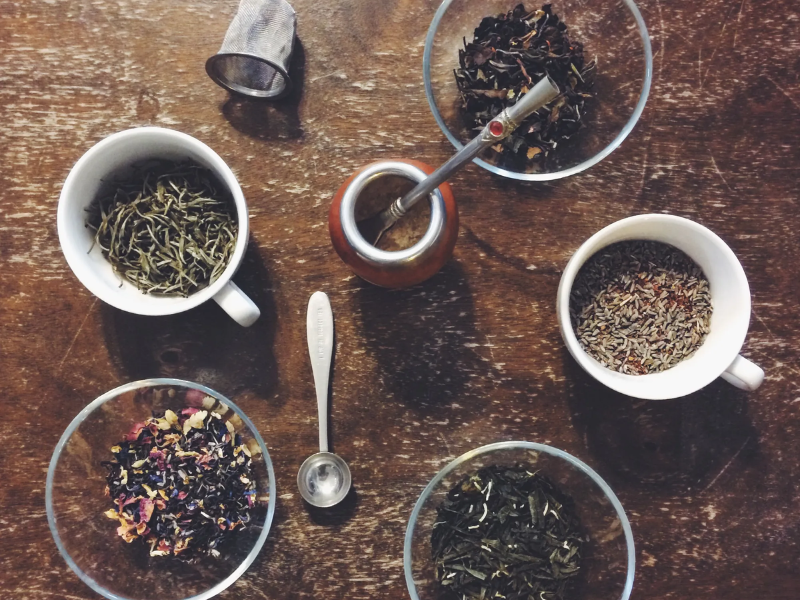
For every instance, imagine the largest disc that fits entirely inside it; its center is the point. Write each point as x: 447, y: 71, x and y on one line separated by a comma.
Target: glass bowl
x: 76, y: 501
x: 608, y: 562
x: 612, y: 32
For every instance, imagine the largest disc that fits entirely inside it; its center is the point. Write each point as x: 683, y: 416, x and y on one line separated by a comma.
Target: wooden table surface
x: 710, y: 482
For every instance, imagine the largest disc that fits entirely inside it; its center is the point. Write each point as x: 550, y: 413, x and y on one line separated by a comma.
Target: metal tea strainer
x: 255, y: 54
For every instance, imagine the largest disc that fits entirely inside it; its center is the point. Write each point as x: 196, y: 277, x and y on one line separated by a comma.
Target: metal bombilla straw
x: 495, y: 130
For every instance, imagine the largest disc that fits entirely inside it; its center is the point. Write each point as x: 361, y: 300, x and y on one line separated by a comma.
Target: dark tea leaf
x: 505, y: 532
x: 509, y: 54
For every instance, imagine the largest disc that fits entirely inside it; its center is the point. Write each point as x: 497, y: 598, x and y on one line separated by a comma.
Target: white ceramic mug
x: 111, y: 158
x: 730, y: 299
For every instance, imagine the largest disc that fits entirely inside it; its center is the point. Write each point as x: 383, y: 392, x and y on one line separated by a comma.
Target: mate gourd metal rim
x: 406, y: 267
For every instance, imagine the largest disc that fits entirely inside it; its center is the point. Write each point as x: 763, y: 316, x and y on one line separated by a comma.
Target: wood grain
x: 710, y: 482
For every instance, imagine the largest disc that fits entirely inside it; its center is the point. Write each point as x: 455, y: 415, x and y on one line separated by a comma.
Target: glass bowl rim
x: 519, y: 445
x: 110, y: 395
x: 634, y: 118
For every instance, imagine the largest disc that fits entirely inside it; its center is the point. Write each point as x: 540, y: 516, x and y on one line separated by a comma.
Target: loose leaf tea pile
x: 509, y: 54
x: 640, y: 307
x: 505, y: 532
x: 182, y: 483
x: 169, y: 229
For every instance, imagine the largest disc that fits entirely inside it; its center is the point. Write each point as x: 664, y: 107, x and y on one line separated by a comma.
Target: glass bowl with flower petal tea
x: 613, y: 35
x: 78, y: 504
x: 507, y: 559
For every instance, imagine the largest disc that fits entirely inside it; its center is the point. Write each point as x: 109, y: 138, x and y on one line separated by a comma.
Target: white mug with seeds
x: 656, y: 307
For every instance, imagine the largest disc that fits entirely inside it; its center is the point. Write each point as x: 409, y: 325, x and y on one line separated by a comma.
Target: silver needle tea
x: 169, y: 229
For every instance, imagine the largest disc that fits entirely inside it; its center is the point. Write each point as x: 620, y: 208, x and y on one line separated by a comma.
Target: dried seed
x: 647, y: 300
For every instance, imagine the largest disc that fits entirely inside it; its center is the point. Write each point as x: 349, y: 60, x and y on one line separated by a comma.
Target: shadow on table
x: 335, y: 515
x: 270, y: 120
x: 276, y: 554
x: 678, y: 444
x: 422, y: 337
x: 204, y: 344
x: 268, y: 568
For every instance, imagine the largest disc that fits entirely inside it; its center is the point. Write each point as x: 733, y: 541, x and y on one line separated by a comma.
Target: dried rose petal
x: 182, y: 544
x: 146, y: 507
x: 170, y: 439
x: 127, y: 528
x: 133, y: 434
x: 194, y: 398
x: 159, y: 457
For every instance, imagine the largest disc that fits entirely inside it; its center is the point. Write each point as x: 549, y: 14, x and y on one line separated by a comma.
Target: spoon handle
x: 319, y: 325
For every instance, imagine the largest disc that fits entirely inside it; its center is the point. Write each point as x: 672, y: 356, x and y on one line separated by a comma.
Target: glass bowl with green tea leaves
x: 518, y: 520
x: 160, y: 488
x: 481, y: 56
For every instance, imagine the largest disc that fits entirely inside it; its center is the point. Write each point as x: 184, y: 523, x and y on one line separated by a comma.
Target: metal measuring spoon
x: 373, y: 228
x: 324, y: 478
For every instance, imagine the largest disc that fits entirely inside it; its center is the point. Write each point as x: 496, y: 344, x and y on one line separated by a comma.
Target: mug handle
x: 744, y: 374
x: 237, y: 304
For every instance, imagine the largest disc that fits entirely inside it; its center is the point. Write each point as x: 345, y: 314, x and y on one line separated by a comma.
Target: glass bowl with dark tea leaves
x: 482, y: 56
x: 518, y: 520
x: 160, y: 488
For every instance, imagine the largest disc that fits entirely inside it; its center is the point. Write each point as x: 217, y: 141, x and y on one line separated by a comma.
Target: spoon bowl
x: 324, y: 479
